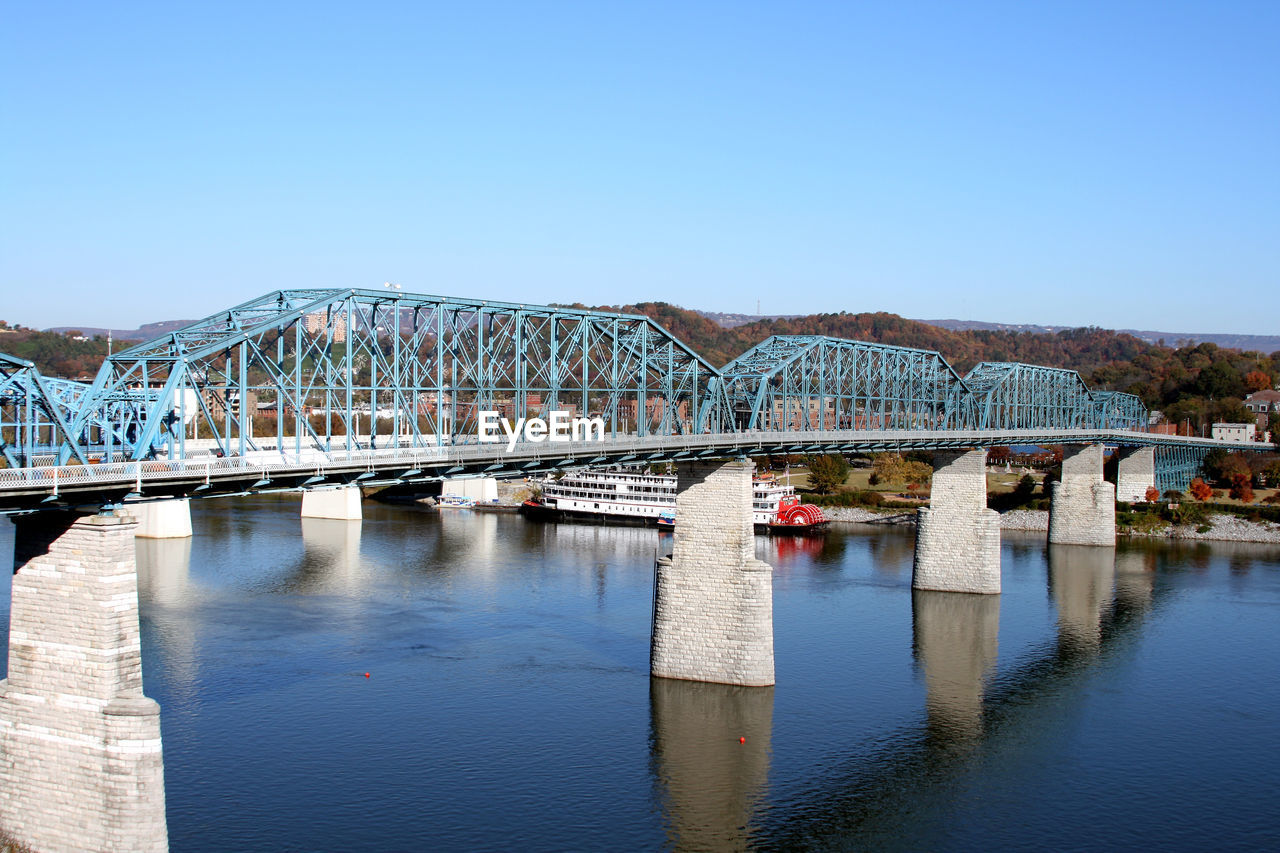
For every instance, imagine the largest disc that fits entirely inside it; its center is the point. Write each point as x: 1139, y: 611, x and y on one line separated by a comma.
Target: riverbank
x: 1220, y: 527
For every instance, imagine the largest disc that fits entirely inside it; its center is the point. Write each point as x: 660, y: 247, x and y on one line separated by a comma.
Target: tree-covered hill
x: 1202, y: 384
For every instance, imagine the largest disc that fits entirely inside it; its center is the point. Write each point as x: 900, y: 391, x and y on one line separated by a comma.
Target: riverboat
x: 644, y: 498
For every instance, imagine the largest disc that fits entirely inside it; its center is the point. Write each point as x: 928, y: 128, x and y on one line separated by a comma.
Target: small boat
x: 667, y: 519
x: 455, y: 502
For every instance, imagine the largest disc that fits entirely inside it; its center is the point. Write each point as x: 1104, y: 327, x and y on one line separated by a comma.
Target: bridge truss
x: 351, y: 368
x: 35, y: 411
x: 311, y: 375
x: 813, y: 382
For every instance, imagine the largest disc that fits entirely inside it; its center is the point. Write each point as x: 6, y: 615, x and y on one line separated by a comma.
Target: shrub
x: 1241, y: 488
x: 1187, y: 513
x: 1152, y: 495
x: 1200, y: 490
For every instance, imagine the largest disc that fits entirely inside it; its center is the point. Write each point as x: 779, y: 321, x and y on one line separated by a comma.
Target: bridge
x: 326, y: 391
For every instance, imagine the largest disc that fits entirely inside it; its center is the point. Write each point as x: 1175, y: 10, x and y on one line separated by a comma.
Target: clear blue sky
x: 1112, y: 163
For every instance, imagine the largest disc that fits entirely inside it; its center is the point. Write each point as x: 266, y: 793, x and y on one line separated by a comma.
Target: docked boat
x: 643, y: 498
x: 456, y: 502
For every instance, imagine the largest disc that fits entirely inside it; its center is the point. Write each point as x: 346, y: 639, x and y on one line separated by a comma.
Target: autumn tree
x: 1241, y: 488
x: 827, y: 472
x: 1200, y: 490
x: 1152, y: 495
x: 1256, y: 380
x: 892, y: 468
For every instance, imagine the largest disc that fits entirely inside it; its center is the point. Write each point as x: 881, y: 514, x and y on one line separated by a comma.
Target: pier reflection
x: 712, y: 784
x: 331, y: 556
x: 164, y: 570
x: 1081, y: 578
x: 955, y: 641
x: 1135, y: 579
x: 164, y: 579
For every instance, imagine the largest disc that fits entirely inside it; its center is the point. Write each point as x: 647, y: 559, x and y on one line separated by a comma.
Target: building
x: 317, y: 323
x: 1242, y: 433
x: 1262, y: 404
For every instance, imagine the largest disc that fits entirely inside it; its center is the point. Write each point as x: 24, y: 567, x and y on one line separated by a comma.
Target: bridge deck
x: 69, y: 486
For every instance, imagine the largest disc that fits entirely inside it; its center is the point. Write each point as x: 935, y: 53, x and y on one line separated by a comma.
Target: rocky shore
x: 1221, y: 527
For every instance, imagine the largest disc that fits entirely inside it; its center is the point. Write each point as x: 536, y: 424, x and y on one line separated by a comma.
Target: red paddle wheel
x: 793, y: 515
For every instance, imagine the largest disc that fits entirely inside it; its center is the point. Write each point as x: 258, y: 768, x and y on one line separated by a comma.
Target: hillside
x: 1200, y: 384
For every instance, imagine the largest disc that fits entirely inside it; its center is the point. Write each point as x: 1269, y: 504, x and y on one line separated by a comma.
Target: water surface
x: 1106, y: 700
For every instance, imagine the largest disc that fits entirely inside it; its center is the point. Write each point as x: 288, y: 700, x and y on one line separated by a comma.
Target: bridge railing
x: 475, y: 458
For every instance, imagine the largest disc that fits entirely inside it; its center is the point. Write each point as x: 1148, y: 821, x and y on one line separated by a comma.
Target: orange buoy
x: 742, y: 740
x: 366, y: 675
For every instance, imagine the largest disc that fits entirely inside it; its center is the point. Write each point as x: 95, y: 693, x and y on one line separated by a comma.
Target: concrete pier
x: 956, y: 639
x: 169, y: 519
x: 1083, y: 508
x: 342, y: 503
x: 713, y: 600
x: 81, y: 766
x: 1135, y: 473
x: 957, y: 537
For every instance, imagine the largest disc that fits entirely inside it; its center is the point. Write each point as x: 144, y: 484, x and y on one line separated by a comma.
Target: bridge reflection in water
x: 711, y: 784
x: 955, y: 637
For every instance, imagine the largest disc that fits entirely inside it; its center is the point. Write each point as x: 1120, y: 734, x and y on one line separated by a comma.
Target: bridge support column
x: 957, y: 537
x: 1136, y: 473
x: 80, y: 758
x: 1083, y: 509
x: 341, y: 503
x: 169, y: 519
x: 713, y: 600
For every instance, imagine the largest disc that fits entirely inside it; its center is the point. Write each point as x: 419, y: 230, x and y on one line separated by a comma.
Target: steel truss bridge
x: 312, y: 388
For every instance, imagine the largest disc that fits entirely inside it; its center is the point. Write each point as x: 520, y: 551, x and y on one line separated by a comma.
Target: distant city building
x: 1242, y: 433
x: 317, y: 321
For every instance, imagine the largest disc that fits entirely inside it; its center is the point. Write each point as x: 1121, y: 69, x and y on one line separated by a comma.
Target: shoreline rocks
x: 1227, y: 528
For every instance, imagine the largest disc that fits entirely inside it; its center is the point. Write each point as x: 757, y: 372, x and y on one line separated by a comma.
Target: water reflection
x: 711, y: 783
x: 164, y: 578
x: 955, y: 641
x: 1135, y: 579
x: 164, y: 570
x: 1081, y: 578
x: 331, y: 557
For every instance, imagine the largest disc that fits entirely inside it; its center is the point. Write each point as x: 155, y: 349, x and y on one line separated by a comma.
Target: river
x: 1105, y: 700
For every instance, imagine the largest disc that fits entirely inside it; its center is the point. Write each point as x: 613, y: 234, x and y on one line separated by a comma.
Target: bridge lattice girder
x: 1115, y: 410
x: 36, y: 412
x: 1177, y: 466
x: 416, y: 370
x: 428, y: 364
x: 1010, y: 395
x: 813, y: 382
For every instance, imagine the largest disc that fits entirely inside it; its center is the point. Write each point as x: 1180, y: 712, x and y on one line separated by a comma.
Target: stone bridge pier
x: 342, y: 504
x: 80, y: 758
x: 1083, y: 508
x: 713, y: 600
x: 1135, y: 473
x: 957, y: 537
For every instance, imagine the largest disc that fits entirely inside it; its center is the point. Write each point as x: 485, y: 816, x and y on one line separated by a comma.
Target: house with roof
x: 1262, y: 404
